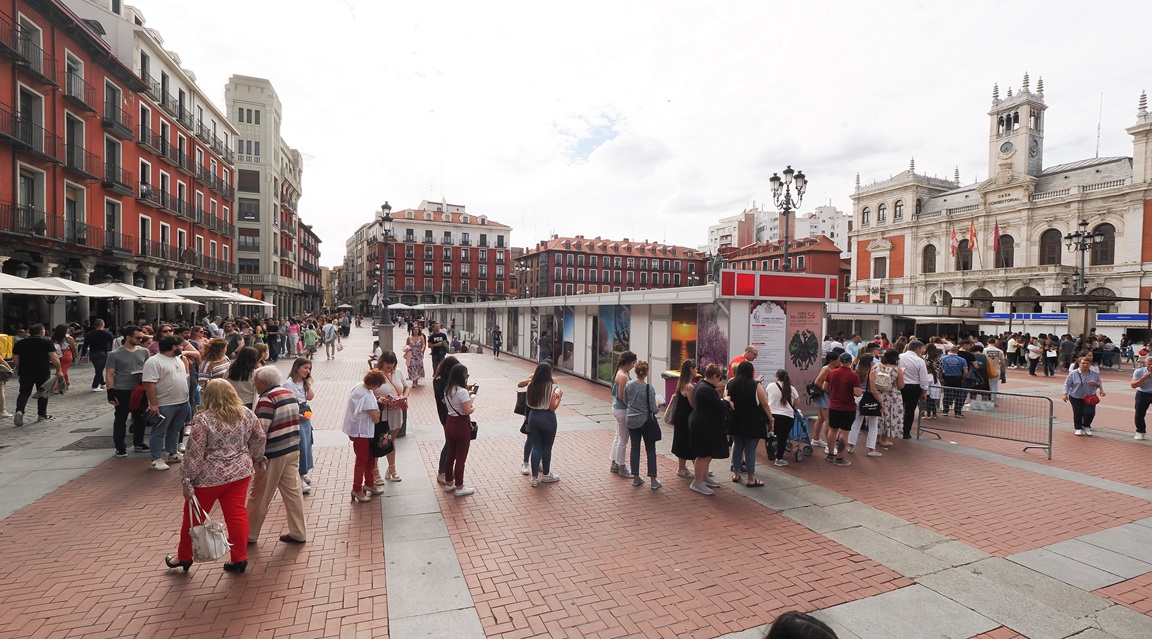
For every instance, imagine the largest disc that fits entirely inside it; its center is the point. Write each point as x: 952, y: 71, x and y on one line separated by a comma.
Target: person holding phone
x: 543, y: 398
x: 165, y: 379
x: 300, y: 383
x: 1142, y: 382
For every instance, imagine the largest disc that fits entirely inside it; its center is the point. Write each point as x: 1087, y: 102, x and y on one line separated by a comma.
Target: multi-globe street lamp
x: 384, y: 324
x: 782, y: 196
x: 1082, y: 241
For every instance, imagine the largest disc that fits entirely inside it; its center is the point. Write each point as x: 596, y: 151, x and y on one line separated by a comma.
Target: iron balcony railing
x: 30, y: 137
x: 80, y: 92
x: 117, y: 121
x: 36, y: 60
x: 78, y: 160
x: 116, y: 178
x: 151, y: 139
x: 114, y: 241
x: 148, y: 195
x: 28, y: 221
x: 9, y: 39
x: 153, y: 90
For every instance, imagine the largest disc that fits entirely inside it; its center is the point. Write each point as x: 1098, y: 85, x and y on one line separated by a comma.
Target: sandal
x: 736, y: 478
x: 754, y: 484
x: 391, y: 474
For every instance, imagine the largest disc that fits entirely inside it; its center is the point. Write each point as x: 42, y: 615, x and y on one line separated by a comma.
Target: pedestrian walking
x: 619, y: 451
x: 751, y: 410
x: 272, y: 338
x: 293, y: 337
x: 1142, y: 382
x: 279, y: 415
x: 98, y: 343
x: 1080, y: 386
x: 34, y: 358
x: 310, y: 338
x: 165, y: 379
x: 66, y: 351
x: 331, y: 334
x: 123, y: 373
x: 682, y: 411
x: 437, y: 344
x: 414, y: 347
x: 458, y: 431
x: 497, y: 342
x: 707, y: 424
x: 241, y: 374
x: 640, y: 398
x: 543, y: 397
x: 300, y: 383
x: 224, y: 448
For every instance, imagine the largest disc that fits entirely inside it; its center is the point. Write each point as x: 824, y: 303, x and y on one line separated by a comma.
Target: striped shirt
x: 279, y: 414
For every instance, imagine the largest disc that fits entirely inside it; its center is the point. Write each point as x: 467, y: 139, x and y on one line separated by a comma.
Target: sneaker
x: 781, y: 462
x: 614, y: 469
x: 102, y: 389
x: 158, y: 464
x: 654, y: 484
x: 711, y: 483
x: 173, y: 458
x: 449, y: 488
x: 1138, y: 437
x: 524, y: 469
x: 819, y: 442
x: 121, y: 453
x: 464, y: 491
x: 959, y: 416
x: 535, y: 482
x: 18, y: 419
x: 5, y: 414
x: 304, y: 481
x: 142, y: 448
x: 440, y: 479
x: 180, y: 447
x: 875, y: 453
x: 829, y: 457
x: 1079, y: 431
x: 842, y: 462
x: 945, y: 413
x: 637, y: 482
x: 625, y: 473
x: 97, y: 390
x: 684, y: 473
x: 701, y: 488
x: 550, y: 478
x: 1088, y: 432
x: 44, y: 418
x: 305, y: 489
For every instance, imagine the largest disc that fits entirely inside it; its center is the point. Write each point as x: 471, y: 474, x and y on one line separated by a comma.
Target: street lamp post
x: 1083, y: 241
x: 384, y: 323
x: 782, y: 196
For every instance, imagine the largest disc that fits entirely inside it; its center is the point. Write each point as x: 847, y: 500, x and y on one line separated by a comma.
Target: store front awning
x: 854, y: 316
x: 1121, y: 323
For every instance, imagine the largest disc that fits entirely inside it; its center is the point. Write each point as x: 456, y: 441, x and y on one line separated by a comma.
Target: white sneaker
x: 550, y: 478
x: 464, y: 491
x: 5, y: 414
x: 1088, y: 432
x: 96, y: 390
x: 158, y: 464
x: 781, y: 462
x: 875, y: 453
x: 711, y: 483
x: 1079, y: 432
x: 1138, y: 437
x: 524, y: 469
x: 701, y: 488
x: 180, y: 448
x: 448, y: 488
x: 305, y: 488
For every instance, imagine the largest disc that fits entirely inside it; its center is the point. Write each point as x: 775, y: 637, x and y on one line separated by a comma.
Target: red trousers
x: 458, y: 439
x: 364, y: 472
x: 231, y: 497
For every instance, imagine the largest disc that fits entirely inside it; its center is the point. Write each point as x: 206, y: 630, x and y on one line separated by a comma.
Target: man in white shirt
x: 166, y: 384
x: 916, y: 381
x: 853, y: 347
x: 1012, y: 346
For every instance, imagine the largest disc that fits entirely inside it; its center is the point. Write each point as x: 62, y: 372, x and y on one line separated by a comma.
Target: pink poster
x: 803, y: 346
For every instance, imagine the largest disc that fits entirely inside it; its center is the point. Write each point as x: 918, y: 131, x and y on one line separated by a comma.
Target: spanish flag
x: 972, y: 235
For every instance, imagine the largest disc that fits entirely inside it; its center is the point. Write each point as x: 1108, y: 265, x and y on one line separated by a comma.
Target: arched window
x: 866, y: 216
x: 963, y: 256
x: 898, y: 211
x: 1050, y: 242
x: 928, y: 264
x: 882, y: 214
x: 1105, y: 307
x: 1006, y: 252
x: 1104, y: 250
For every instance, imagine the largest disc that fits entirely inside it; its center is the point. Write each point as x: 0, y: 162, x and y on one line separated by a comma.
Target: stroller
x: 798, y: 439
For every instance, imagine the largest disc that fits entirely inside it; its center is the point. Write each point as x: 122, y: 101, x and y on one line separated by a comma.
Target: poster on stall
x: 768, y: 332
x: 613, y: 336
x: 803, y: 346
x: 534, y: 334
x: 711, y: 337
x: 684, y: 334
x: 568, y: 341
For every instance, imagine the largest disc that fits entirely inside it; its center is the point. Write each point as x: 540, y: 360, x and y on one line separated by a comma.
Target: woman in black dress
x: 707, y: 425
x: 681, y: 434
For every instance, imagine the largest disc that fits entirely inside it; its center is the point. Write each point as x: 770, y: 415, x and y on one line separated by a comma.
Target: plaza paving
x: 964, y: 537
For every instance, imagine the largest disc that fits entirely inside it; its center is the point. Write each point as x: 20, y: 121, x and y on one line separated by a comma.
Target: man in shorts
x: 843, y: 387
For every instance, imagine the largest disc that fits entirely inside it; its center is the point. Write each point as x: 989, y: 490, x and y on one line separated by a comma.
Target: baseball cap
x: 845, y: 358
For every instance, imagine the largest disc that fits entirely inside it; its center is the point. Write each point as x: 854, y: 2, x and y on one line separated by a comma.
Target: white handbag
x: 209, y: 538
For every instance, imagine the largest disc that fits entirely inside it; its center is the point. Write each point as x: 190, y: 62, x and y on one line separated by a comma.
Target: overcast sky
x: 649, y: 120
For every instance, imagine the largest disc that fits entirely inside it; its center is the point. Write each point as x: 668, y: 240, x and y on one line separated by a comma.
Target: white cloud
x: 646, y: 119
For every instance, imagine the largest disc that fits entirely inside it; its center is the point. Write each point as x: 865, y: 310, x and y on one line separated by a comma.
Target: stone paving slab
x: 1102, y: 558
x: 897, y: 556
x: 1131, y: 540
x: 936, y: 616
x: 1068, y: 570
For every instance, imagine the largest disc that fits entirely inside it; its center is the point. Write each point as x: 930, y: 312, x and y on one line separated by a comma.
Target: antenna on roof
x: 1099, y: 119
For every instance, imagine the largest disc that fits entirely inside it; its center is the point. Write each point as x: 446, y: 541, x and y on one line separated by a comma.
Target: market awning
x: 854, y: 316
x: 1120, y: 323
x: 940, y: 319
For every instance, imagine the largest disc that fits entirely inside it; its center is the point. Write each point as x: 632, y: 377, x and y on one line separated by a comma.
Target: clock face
x: 1006, y: 147
x: 1034, y: 148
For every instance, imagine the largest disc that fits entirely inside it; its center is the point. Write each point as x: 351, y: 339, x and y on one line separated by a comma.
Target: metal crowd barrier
x: 1020, y: 418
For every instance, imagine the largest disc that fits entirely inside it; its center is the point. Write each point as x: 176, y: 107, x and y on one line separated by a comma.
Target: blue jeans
x: 305, y: 446
x: 542, y: 434
x: 744, y: 450
x: 166, y: 437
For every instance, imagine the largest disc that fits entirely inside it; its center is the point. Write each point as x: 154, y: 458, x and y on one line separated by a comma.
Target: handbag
x: 475, y: 430
x: 814, y: 391
x: 209, y: 538
x: 651, y: 426
x: 869, y: 405
x: 521, y: 403
x: 1090, y: 399
x: 382, y: 440
x: 670, y: 410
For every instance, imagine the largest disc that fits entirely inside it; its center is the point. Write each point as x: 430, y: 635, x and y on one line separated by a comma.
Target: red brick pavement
x: 1001, y: 633
x: 1136, y: 593
x: 592, y: 556
x: 87, y: 561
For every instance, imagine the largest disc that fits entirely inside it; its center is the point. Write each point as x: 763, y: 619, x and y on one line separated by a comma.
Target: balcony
x: 205, y: 177
x: 117, y: 121
x: 27, y: 221
x: 152, y: 140
x: 79, y: 92
x: 181, y: 159
x: 38, y: 63
x: 483, y: 244
x: 119, y: 244
x: 429, y: 240
x: 169, y: 103
x: 148, y: 195
x: 9, y: 37
x: 153, y: 90
x: 156, y: 251
x: 185, y: 118
x: 30, y: 138
x: 204, y: 134
x: 226, y: 190
x: 446, y: 241
x: 81, y: 162
x: 465, y: 242
x: 118, y: 180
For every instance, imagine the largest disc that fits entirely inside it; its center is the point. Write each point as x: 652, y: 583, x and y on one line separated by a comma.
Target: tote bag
x: 209, y: 538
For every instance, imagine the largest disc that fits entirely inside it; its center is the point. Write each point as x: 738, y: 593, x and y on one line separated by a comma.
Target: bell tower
x: 1016, y: 134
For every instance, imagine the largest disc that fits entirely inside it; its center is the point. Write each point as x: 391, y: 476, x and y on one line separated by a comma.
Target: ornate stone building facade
x: 927, y: 240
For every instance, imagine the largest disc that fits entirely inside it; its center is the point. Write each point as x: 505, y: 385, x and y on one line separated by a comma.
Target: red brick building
x: 110, y: 175
x: 578, y: 265
x: 814, y: 255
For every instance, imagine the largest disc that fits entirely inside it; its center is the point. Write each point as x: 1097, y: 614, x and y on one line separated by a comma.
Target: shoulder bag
x: 1090, y: 399
x: 476, y: 427
x: 209, y: 538
x: 383, y: 441
x: 869, y: 405
x: 521, y: 403
x: 651, y: 426
x: 670, y: 410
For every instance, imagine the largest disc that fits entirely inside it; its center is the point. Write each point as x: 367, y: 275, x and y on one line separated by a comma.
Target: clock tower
x: 1016, y: 135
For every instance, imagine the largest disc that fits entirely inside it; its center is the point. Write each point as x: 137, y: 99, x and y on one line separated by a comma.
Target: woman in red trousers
x: 225, y: 445
x: 360, y: 425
